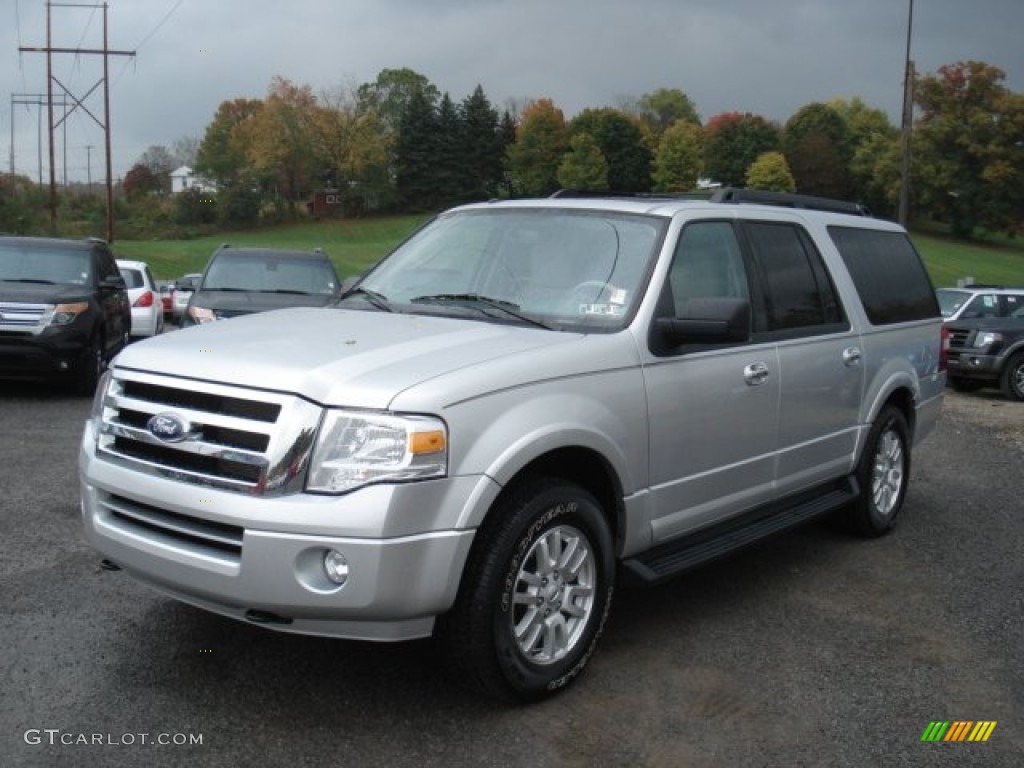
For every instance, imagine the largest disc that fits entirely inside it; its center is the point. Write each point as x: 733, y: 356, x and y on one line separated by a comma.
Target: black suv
x: 987, y: 352
x: 241, y: 281
x: 64, y: 311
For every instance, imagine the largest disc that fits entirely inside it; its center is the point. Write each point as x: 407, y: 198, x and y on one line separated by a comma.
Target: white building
x: 184, y: 178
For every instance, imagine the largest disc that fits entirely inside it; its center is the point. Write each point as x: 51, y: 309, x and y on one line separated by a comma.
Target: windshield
x: 267, y: 273
x: 574, y: 270
x: 44, y: 265
x: 951, y: 300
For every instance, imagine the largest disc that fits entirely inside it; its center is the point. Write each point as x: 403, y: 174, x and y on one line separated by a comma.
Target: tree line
x: 400, y: 144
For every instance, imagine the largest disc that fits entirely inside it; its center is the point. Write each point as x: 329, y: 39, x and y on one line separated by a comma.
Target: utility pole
x: 34, y: 100
x: 907, y: 125
x: 88, y: 166
x: 49, y: 50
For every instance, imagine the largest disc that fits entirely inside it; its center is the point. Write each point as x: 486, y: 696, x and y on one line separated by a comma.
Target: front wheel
x: 1013, y: 377
x: 883, y: 474
x: 535, y: 593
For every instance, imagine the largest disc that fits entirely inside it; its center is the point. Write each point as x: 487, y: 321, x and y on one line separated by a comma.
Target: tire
x: 535, y: 593
x: 883, y: 474
x: 960, y: 384
x: 1012, y: 380
x: 92, y: 367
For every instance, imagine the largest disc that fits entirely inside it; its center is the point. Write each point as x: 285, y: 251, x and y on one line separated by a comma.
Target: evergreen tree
x: 483, y: 148
x: 415, y: 155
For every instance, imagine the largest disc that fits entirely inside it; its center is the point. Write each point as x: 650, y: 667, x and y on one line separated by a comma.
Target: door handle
x: 851, y: 357
x: 756, y: 373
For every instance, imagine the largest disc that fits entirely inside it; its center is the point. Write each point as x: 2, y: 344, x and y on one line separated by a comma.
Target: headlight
x: 201, y: 314
x: 62, y: 314
x: 96, y: 415
x: 985, y: 338
x: 354, y: 449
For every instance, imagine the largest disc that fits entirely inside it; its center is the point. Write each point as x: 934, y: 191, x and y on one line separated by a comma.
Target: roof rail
x: 787, y: 200
x: 585, y: 193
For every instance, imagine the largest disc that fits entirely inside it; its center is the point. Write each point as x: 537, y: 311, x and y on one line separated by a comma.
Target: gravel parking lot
x: 812, y: 649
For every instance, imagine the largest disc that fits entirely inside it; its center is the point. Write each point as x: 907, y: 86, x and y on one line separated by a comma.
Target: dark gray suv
x: 64, y: 311
x: 242, y: 281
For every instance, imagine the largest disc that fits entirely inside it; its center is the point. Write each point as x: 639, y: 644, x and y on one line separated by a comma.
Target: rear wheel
x: 535, y: 593
x: 883, y: 474
x: 1013, y: 377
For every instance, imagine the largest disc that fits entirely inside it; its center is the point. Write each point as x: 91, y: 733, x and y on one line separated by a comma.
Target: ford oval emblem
x: 169, y: 427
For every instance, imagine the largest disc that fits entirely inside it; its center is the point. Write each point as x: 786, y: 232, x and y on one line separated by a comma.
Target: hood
x: 43, y: 293
x: 333, y: 356
x: 233, y: 303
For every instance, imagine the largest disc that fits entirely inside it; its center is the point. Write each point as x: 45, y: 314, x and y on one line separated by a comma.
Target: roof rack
x: 787, y: 200
x: 585, y: 193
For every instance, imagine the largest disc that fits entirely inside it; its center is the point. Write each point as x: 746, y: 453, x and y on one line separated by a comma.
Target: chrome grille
x: 958, y: 338
x: 19, y: 315
x: 244, y: 440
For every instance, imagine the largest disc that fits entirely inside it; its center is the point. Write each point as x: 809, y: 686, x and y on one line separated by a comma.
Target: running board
x: 691, y: 551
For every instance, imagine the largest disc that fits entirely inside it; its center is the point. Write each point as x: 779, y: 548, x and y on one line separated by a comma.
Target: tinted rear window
x: 890, y: 278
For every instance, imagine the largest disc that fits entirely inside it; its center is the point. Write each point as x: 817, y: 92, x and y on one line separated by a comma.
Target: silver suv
x: 522, y: 406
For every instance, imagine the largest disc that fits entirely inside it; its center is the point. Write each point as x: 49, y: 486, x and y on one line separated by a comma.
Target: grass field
x: 354, y: 244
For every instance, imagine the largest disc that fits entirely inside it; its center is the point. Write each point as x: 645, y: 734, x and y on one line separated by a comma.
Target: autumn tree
x: 391, y: 93
x: 732, y: 141
x: 969, y: 148
x: 770, y: 172
x: 140, y: 181
x: 280, y: 137
x: 222, y: 155
x: 662, y: 108
x: 816, y: 146
x: 583, y: 166
x: 353, y: 148
x: 622, y: 142
x: 677, y: 162
x: 874, y: 155
x: 541, y: 139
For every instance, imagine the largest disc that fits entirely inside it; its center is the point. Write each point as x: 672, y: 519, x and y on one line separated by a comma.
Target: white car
x: 147, y: 308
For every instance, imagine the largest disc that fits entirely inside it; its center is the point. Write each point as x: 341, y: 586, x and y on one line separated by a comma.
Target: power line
x: 154, y: 31
x: 159, y: 24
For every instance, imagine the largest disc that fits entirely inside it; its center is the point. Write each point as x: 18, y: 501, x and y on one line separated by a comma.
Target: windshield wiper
x: 28, y: 280
x: 378, y: 300
x: 509, y: 308
x: 289, y: 291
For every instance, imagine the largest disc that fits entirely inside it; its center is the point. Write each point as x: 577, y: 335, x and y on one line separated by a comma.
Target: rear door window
x: 887, y: 271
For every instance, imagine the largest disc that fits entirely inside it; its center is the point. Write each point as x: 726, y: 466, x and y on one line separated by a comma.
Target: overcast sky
x: 769, y: 57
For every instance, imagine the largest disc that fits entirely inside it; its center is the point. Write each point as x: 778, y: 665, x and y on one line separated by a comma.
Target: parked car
x: 166, y: 289
x: 64, y: 311
x: 988, y: 352
x: 147, y: 308
x: 978, y: 301
x: 183, y: 290
x: 523, y: 403
x: 242, y: 281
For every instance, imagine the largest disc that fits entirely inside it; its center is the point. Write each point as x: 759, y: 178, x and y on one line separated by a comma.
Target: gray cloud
x: 764, y: 56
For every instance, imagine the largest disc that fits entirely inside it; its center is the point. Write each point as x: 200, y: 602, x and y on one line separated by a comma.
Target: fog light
x: 335, y: 566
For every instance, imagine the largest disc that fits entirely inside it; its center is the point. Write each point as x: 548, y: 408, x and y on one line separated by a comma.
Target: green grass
x: 950, y: 260
x: 352, y: 244
x: 355, y: 244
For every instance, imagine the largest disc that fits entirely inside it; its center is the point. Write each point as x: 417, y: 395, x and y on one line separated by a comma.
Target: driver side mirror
x: 717, y: 320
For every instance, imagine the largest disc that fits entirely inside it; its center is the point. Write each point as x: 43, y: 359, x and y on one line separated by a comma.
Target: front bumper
x: 54, y: 353
x: 966, y: 364
x: 258, y: 558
